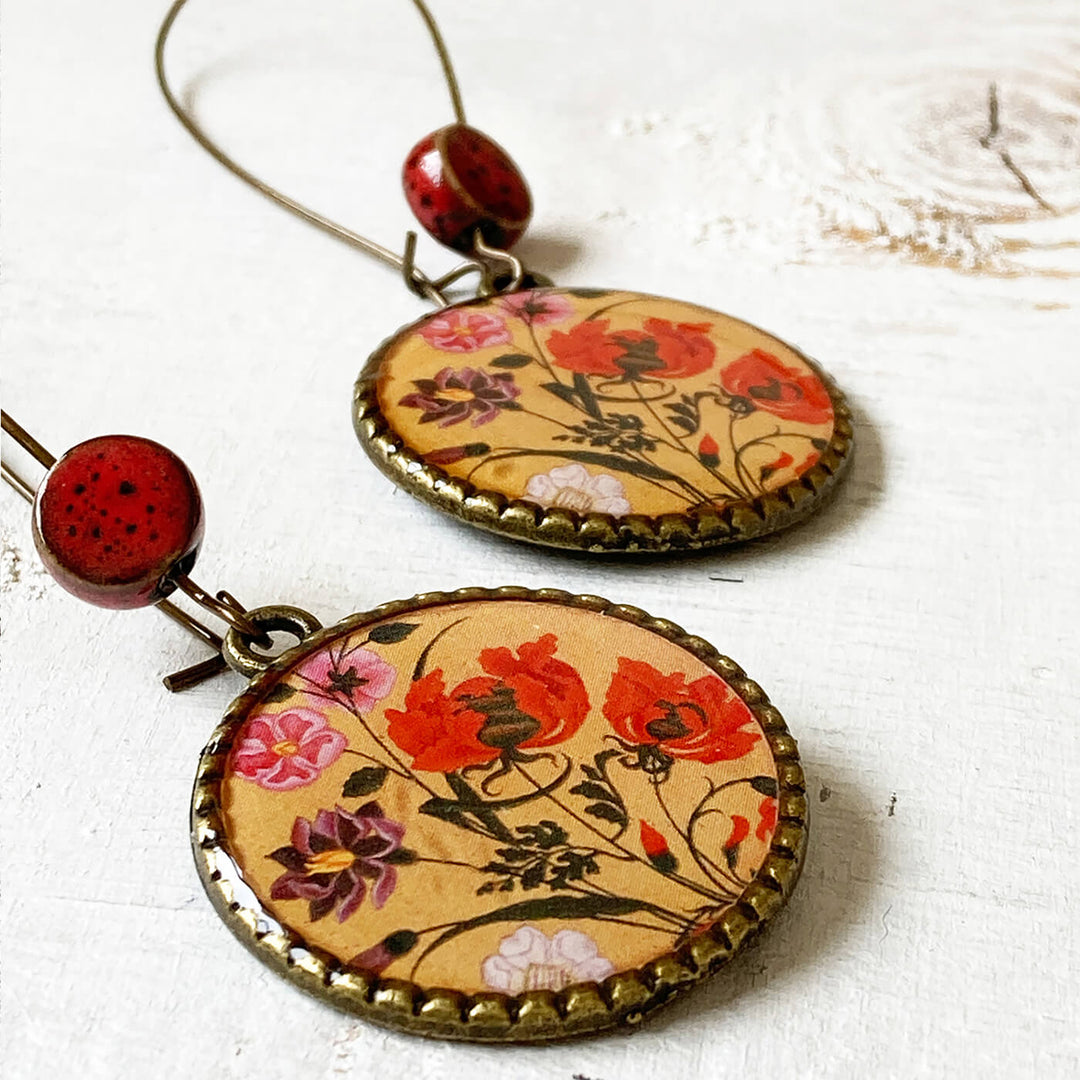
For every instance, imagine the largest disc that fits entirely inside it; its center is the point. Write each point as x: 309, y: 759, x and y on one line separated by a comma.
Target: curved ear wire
x: 416, y: 279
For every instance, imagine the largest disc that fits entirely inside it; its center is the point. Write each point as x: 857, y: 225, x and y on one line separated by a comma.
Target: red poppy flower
x: 438, y: 730
x: 524, y: 701
x: 786, y: 392
x: 709, y: 452
x: 587, y: 348
x: 662, y: 349
x: 740, y: 830
x: 548, y: 690
x: 767, y: 819
x: 657, y: 850
x: 683, y: 347
x: 652, y: 842
x: 702, y: 720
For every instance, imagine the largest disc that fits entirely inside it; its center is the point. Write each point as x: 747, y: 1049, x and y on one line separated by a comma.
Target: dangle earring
x: 596, y: 419
x: 452, y: 815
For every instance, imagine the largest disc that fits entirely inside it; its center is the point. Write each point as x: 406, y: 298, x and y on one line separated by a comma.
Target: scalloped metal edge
x: 733, y: 523
x: 622, y: 1000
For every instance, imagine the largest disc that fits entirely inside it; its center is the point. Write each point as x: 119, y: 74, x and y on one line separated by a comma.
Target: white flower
x: 529, y: 960
x: 572, y: 487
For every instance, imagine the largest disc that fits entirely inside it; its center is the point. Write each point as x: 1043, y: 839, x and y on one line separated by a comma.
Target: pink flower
x: 458, y: 330
x: 360, y: 675
x: 537, y: 307
x: 287, y: 750
x: 529, y: 960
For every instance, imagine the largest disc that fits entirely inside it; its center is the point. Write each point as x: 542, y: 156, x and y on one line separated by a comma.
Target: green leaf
x: 544, y: 834
x: 765, y: 784
x: 548, y: 907
x: 567, y: 393
x: 589, y: 294
x: 607, y: 812
x: 587, y: 397
x: 593, y: 791
x: 400, y: 942
x: 533, y: 875
x: 511, y: 360
x: 364, y: 781
x: 281, y: 692
x: 390, y: 633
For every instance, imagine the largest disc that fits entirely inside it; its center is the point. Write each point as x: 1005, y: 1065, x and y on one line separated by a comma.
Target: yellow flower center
x: 286, y: 748
x: 455, y: 394
x: 329, y: 862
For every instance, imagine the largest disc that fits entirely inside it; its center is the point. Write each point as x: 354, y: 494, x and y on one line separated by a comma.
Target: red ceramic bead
x: 457, y: 181
x: 114, y: 517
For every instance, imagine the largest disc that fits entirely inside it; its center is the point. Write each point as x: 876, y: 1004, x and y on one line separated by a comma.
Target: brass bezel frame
x: 623, y: 999
x: 733, y: 523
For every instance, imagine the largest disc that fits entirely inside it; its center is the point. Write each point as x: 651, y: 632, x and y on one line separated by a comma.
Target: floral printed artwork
x: 499, y: 795
x: 605, y: 402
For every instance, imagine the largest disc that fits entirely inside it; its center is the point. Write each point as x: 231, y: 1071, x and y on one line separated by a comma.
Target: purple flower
x: 454, y: 395
x: 332, y: 858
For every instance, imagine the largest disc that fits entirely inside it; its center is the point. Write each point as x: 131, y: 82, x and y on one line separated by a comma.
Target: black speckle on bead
x: 131, y: 528
x: 150, y: 508
x: 127, y: 487
x: 153, y: 536
x: 95, y: 477
x: 95, y: 532
x: 72, y: 531
x: 68, y: 509
x: 80, y: 488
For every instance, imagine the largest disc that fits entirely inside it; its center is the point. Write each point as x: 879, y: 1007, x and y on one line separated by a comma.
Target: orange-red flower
x: 587, y: 348
x: 766, y: 819
x: 683, y: 347
x: 792, y: 394
x: 740, y: 830
x: 709, y: 452
x: 523, y: 702
x: 652, y: 842
x: 702, y: 720
x: 662, y: 349
x: 438, y: 730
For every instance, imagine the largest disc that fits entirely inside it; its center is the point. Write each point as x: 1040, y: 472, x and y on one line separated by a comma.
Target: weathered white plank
x: 818, y: 168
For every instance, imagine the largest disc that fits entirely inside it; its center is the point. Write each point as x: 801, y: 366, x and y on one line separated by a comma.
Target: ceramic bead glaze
x: 114, y: 516
x: 457, y: 180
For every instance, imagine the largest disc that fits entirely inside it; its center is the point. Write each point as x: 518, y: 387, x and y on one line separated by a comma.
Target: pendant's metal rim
x: 733, y: 523
x: 623, y: 999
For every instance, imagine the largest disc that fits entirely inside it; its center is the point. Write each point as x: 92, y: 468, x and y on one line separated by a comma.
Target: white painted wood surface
x: 827, y: 169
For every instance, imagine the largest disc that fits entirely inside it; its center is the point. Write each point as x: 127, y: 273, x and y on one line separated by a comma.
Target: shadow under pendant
x: 606, y: 421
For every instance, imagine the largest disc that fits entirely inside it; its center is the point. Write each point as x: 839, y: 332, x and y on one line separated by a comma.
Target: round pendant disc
x: 458, y: 816
x: 608, y: 421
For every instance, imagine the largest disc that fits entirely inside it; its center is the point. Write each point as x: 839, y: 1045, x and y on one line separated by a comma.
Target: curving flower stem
x: 626, y: 855
x: 683, y: 448
x: 698, y: 856
x: 740, y: 469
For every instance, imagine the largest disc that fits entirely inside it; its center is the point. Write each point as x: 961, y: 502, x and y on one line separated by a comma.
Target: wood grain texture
x: 819, y: 169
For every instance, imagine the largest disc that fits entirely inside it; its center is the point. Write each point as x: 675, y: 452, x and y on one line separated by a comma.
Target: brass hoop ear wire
x: 415, y: 279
